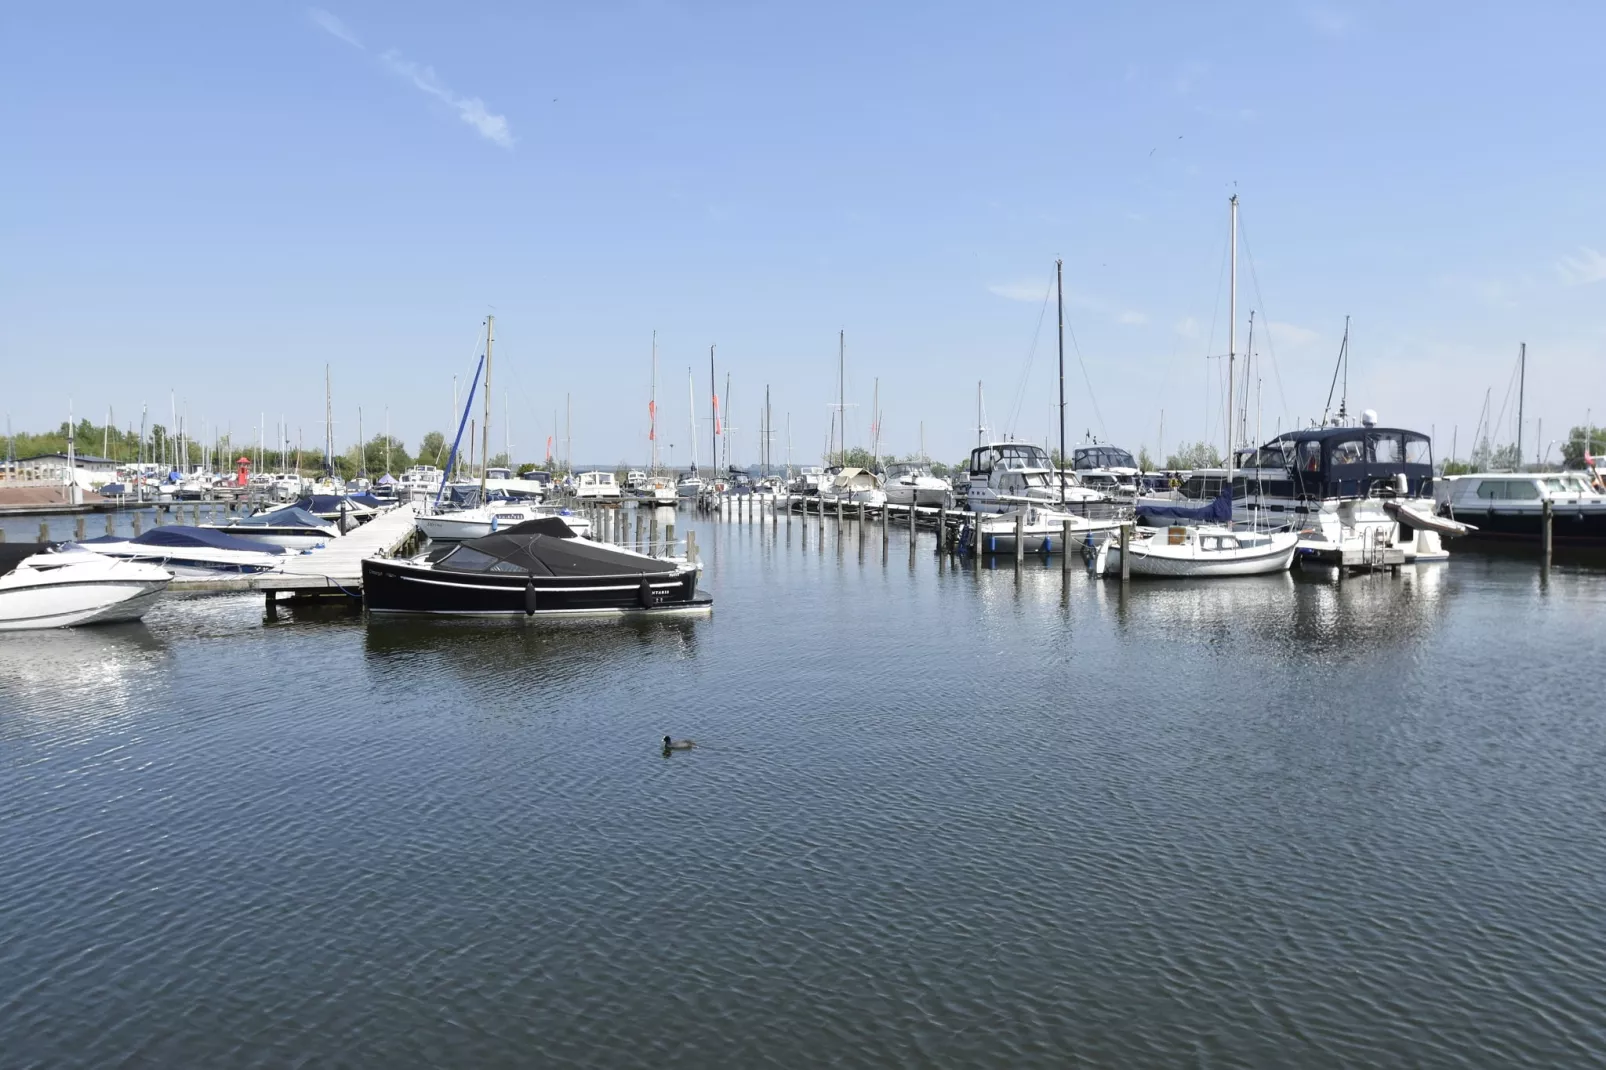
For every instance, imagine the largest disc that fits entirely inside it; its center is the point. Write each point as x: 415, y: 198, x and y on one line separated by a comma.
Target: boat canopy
x: 290, y: 516
x: 536, y: 548
x: 1350, y: 462
x: 1091, y: 458
x: 1219, y: 511
x: 182, y: 535
x: 984, y: 459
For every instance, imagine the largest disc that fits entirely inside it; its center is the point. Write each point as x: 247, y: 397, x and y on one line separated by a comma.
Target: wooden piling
x: 839, y: 511
x: 44, y: 531
x: 641, y: 522
x: 139, y: 522
x: 1065, y: 547
x: 1126, y: 558
x: 1547, y: 518
x: 111, y: 520
x: 942, y: 526
x: 1020, y: 537
x: 78, y: 530
x: 913, y: 516
x: 652, y: 542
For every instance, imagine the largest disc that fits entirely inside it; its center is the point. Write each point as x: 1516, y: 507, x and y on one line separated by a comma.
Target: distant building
x: 86, y: 470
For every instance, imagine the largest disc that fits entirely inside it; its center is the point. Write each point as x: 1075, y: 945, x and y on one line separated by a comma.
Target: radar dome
x: 1369, y: 418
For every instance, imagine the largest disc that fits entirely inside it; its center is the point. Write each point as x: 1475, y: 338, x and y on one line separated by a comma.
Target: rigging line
x: 1271, y: 348
x: 1210, y: 339
x: 1511, y: 384
x: 1026, y: 372
x: 1092, y: 400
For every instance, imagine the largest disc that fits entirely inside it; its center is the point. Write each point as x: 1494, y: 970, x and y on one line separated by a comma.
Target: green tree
x: 1580, y: 438
x: 433, y: 449
x: 1145, y: 462
x: 1198, y: 455
x: 374, y: 455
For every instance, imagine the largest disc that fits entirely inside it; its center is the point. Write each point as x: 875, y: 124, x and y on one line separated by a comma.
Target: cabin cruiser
x: 635, y: 480
x: 291, y: 527
x: 534, y: 569
x: 659, y: 490
x: 502, y: 481
x: 477, y: 522
x: 852, y: 486
x: 190, y: 552
x: 1005, y: 475
x: 68, y: 587
x: 808, y: 481
x: 1107, y: 469
x: 421, y: 482
x: 689, y: 486
x: 596, y: 486
x: 1509, y: 506
x: 909, y: 483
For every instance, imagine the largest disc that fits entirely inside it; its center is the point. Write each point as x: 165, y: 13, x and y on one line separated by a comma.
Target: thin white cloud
x: 471, y: 110
x: 332, y: 26
x: 1132, y: 318
x: 1327, y: 20
x: 1587, y: 267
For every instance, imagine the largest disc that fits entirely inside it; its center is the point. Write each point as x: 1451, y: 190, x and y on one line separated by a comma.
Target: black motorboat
x: 537, y: 568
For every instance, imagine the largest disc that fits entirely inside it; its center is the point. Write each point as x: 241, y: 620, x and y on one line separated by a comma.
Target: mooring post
x: 111, y: 520
x: 942, y: 526
x: 78, y: 530
x: 1126, y: 558
x: 886, y: 525
x: 652, y: 543
x: 44, y: 531
x: 272, y: 606
x: 913, y: 516
x: 640, y: 522
x: 1546, y: 519
x: 1065, y: 547
x: 861, y: 514
x: 669, y: 540
x: 139, y: 522
x: 1020, y: 537
x: 839, y: 510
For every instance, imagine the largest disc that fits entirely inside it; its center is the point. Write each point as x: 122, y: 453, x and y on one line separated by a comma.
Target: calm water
x: 937, y: 818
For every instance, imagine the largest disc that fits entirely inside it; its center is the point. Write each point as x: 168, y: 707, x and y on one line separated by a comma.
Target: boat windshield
x: 1086, y: 458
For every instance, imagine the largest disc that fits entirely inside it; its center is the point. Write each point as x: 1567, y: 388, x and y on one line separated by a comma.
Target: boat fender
x: 531, y: 599
x: 645, y: 594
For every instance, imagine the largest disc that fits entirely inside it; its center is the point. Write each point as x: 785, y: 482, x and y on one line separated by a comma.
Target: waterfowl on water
x: 678, y: 744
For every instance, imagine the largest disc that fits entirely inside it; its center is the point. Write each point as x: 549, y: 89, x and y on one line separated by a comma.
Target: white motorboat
x: 66, y: 588
x: 1106, y: 469
x: 596, y: 487
x: 810, y: 478
x: 1196, y: 552
x: 421, y: 482
x: 488, y: 519
x: 502, y: 481
x: 190, y: 552
x: 291, y: 527
x: 1006, y: 475
x: 851, y: 486
x: 659, y: 490
x: 908, y: 483
x: 689, y: 487
x: 1041, y: 528
x: 1510, y: 506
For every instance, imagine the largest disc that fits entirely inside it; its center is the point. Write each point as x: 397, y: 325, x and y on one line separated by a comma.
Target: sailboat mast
x: 328, y: 426
x: 1522, y: 384
x: 1232, y: 326
x: 485, y: 428
x: 875, y: 424
x: 1059, y: 298
x: 691, y: 416
x: 727, y: 436
x: 842, y: 390
x: 652, y: 409
x: 713, y: 404
x: 769, y: 429
x: 362, y: 452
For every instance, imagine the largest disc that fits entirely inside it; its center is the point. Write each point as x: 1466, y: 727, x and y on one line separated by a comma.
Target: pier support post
x: 913, y: 516
x: 44, y: 531
x: 691, y: 547
x: 1547, y: 518
x: 861, y: 514
x: 640, y: 523
x: 139, y: 522
x: 78, y: 529
x: 1126, y: 558
x: 839, y: 511
x: 111, y: 520
x: 886, y: 526
x: 1020, y: 538
x: 669, y: 540
x: 942, y: 526
x: 1065, y: 547
x: 652, y: 535
x: 272, y: 605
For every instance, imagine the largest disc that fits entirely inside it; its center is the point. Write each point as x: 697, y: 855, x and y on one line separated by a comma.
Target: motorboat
x: 1005, y: 475
x: 635, y: 480
x: 1206, y: 551
x: 420, y: 482
x: 291, y: 527
x: 909, y: 483
x: 343, y: 510
x: 852, y: 486
x: 1106, y: 469
x: 66, y: 588
x: 535, y: 569
x: 1509, y: 507
x: 596, y: 487
x: 1042, y: 528
x: 495, y: 516
x: 808, y: 481
x: 659, y: 490
x: 190, y: 552
x: 502, y: 481
x: 689, y: 486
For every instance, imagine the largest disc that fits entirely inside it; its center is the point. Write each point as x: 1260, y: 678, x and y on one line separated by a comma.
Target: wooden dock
x: 335, y: 568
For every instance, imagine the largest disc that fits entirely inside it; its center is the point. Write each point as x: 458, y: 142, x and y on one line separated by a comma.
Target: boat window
x: 468, y: 559
x: 1524, y: 490
x: 1492, y: 489
x: 1418, y: 449
x: 506, y: 566
x: 981, y: 460
x: 1310, y: 456
x: 1558, y: 485
x: 1384, y: 449
x: 1034, y: 479
x: 1345, y: 451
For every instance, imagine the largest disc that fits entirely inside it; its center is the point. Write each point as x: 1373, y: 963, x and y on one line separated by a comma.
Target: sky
x: 205, y: 204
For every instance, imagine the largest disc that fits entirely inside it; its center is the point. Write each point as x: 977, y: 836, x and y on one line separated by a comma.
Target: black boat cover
x: 182, y: 535
x: 290, y: 516
x: 535, y: 548
x: 12, y: 555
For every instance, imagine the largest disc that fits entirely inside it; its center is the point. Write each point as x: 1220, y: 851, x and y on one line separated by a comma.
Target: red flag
x: 652, y: 420
x: 549, y: 447
x: 716, y: 414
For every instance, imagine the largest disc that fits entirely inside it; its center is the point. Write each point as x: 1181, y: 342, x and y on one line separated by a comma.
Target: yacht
x: 504, y: 482
x: 190, y: 552
x: 659, y: 490
x: 851, y: 486
x: 66, y: 588
x: 421, y: 482
x: 689, y: 486
x: 1006, y: 475
x: 534, y: 569
x: 909, y: 483
x: 493, y: 517
x: 808, y: 481
x: 596, y: 486
x: 291, y: 527
x: 1509, y: 506
x: 1107, y: 469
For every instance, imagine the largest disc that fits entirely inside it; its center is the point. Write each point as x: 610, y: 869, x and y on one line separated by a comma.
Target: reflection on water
x: 938, y: 815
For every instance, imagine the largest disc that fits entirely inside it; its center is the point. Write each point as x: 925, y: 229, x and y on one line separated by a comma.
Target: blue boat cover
x: 182, y: 535
x: 366, y: 499
x: 330, y: 503
x: 1218, y: 511
x: 288, y: 517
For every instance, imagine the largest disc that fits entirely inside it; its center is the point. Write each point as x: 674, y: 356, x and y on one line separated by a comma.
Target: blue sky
x: 218, y: 199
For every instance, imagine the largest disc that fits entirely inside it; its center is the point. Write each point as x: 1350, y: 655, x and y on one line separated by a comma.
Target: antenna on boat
x: 1341, y: 364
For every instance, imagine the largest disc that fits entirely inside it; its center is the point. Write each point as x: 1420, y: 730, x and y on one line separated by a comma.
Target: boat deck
x: 336, y: 567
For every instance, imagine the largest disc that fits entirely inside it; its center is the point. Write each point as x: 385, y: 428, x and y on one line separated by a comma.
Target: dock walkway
x: 335, y: 567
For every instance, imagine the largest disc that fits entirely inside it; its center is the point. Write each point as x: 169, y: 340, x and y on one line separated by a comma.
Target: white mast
x: 691, y: 416
x: 485, y: 429
x: 652, y: 407
x: 1232, y: 327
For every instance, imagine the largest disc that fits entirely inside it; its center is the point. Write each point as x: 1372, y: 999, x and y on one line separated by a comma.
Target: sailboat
x: 1207, y: 550
x: 691, y: 485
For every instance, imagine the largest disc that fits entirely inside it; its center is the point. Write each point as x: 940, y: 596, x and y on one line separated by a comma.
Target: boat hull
x: 59, y: 600
x: 397, y: 586
x: 1154, y: 561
